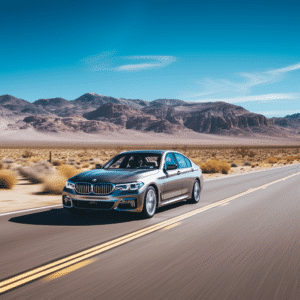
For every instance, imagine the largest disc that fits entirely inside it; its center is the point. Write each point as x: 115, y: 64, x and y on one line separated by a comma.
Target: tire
x: 196, y: 192
x: 150, y: 203
x: 76, y: 212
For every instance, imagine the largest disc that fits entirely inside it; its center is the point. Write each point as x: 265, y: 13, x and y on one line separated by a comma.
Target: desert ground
x: 34, y: 176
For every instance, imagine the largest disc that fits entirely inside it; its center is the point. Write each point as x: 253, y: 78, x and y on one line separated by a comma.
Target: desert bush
x: 56, y: 163
x: 247, y: 163
x: 27, y: 154
x: 67, y: 170
x: 272, y: 160
x: 233, y: 165
x: 36, y: 173
x: 290, y: 159
x: 197, y: 161
x: 85, y: 165
x: 1, y: 166
x: 251, y: 153
x: 243, y: 151
x: 215, y: 166
x: 8, y: 179
x: 54, y: 184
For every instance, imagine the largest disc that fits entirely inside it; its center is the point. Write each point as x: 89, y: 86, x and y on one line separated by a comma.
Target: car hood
x: 113, y: 176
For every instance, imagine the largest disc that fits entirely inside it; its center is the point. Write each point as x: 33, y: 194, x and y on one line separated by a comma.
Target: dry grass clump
x: 86, y: 165
x: 272, y: 160
x: 67, y: 171
x: 215, y: 166
x: 37, y: 172
x: 54, y: 184
x: 290, y: 159
x: 56, y: 163
x: 197, y: 161
x: 8, y: 179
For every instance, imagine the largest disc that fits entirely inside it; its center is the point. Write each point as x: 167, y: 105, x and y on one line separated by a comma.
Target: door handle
x: 178, y: 173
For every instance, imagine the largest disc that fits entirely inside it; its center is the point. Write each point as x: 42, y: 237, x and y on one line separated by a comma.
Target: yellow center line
x: 50, y: 268
x: 171, y: 226
x: 68, y: 270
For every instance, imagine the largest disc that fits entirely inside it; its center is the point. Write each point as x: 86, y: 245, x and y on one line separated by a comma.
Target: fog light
x: 127, y: 203
x: 67, y: 201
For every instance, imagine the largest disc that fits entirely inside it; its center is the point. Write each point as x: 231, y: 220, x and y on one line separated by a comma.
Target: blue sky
x: 242, y: 52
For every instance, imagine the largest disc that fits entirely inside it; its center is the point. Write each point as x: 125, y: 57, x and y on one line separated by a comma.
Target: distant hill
x: 290, y: 122
x: 98, y: 113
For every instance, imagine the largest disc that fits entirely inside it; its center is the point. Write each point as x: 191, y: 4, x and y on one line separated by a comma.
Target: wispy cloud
x: 265, y: 98
x: 242, y: 86
x: 276, y: 113
x: 109, y: 61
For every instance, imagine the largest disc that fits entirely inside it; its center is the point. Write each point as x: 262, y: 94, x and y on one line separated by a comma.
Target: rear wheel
x: 150, y: 202
x: 196, y: 192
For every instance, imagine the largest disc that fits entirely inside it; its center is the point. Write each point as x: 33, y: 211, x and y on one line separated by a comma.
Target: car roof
x: 146, y: 151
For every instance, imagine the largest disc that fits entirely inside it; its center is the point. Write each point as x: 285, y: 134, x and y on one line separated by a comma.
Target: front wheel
x: 150, y: 202
x: 196, y: 192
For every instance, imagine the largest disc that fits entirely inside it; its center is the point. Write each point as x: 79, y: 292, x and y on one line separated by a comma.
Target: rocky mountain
x: 97, y: 113
x: 290, y: 122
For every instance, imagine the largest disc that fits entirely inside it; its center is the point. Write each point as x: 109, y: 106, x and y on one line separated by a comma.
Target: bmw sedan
x: 136, y: 181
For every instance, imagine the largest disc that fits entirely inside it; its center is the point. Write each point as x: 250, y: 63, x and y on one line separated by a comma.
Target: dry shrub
x: 251, y: 153
x: 67, y: 171
x: 30, y: 174
x: 27, y: 154
x: 215, y: 166
x: 243, y: 151
x: 54, y: 184
x: 272, y: 160
x: 85, y: 165
x: 290, y: 159
x: 56, y: 163
x: 8, y: 179
x: 36, y: 172
x: 1, y: 166
x: 197, y: 161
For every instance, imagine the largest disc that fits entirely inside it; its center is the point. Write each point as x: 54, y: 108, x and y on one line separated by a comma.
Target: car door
x: 171, y: 187
x: 184, y: 174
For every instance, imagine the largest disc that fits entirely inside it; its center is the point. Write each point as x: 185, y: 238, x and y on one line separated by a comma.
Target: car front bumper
x: 118, y: 200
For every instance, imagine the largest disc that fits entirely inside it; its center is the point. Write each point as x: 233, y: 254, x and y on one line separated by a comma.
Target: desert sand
x: 30, y: 138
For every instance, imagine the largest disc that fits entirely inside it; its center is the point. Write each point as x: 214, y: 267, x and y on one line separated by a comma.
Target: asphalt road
x: 246, y: 247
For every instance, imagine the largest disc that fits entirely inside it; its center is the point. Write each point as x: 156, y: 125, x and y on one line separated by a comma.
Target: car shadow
x: 61, y: 217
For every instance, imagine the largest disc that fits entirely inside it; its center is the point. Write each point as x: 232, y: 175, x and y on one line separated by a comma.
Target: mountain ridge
x: 105, y: 113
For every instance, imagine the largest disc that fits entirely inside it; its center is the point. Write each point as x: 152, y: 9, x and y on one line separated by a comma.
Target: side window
x: 181, y: 161
x: 188, y: 163
x: 169, y: 160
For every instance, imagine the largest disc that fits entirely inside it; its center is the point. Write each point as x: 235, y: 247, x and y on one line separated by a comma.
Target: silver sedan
x: 136, y: 181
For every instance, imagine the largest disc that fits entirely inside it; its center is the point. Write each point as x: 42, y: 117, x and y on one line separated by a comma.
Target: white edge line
x: 31, y: 209
x: 45, y: 207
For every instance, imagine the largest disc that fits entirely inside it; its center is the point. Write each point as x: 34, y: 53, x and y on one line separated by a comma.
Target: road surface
x: 242, y: 241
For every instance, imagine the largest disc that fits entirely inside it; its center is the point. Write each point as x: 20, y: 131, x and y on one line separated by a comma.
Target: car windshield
x: 134, y: 161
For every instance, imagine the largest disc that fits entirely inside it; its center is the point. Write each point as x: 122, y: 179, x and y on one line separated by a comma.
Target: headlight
x: 132, y: 186
x: 70, y: 185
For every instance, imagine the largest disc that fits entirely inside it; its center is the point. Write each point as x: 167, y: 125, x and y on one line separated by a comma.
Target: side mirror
x: 98, y: 166
x: 171, y: 167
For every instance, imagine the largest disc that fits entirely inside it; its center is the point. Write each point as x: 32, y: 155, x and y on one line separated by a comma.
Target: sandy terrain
x: 25, y: 195
x: 30, y: 137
